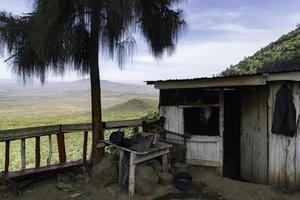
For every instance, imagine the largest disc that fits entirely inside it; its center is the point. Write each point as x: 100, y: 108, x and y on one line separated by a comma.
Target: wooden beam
x: 217, y: 82
x: 199, y: 105
x: 221, y: 129
x: 42, y: 170
x: 24, y: 133
x: 207, y: 163
x: 37, y: 152
x: 284, y: 76
x: 49, y: 149
x: 85, y: 141
x: 61, y: 148
x: 23, y: 154
x: 7, y: 147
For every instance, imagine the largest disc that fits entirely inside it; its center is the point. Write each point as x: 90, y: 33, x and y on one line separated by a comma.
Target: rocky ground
x: 101, y: 183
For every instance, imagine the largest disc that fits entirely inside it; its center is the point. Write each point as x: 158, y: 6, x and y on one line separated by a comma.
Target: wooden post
x: 37, y: 152
x: 49, y: 150
x: 165, y: 163
x: 221, y: 129
x: 131, y: 181
x: 121, y: 165
x: 7, y: 147
x: 61, y: 147
x: 85, y: 141
x: 23, y: 154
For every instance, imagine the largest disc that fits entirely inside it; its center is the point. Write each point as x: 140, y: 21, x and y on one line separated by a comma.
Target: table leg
x: 120, y: 165
x: 131, y: 182
x: 165, y: 163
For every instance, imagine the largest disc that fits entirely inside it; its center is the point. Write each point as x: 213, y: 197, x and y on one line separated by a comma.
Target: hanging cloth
x: 284, y: 116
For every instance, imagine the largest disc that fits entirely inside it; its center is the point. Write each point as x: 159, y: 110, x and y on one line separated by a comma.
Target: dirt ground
x: 206, y: 186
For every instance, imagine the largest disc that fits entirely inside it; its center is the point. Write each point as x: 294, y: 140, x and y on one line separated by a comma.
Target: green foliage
x: 74, y: 141
x: 60, y: 35
x: 152, y: 114
x: 135, y: 105
x: 282, y: 55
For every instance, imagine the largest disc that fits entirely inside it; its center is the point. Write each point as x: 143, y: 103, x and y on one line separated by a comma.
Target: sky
x: 219, y: 33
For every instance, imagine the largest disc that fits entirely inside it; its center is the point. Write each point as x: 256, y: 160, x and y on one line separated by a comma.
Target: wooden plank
x: 84, y: 152
x: 23, y: 154
x: 16, y: 175
x: 221, y: 131
x: 149, y: 156
x: 284, y: 76
x: 37, y: 152
x: 199, y: 105
x: 206, y: 163
x: 24, y: 133
x: 131, y: 181
x: 7, y: 149
x: 165, y: 163
x: 297, y: 144
x: 174, y: 122
x: 49, y: 150
x: 213, y: 82
x: 124, y: 124
x: 61, y: 147
x: 254, y: 135
x: 75, y: 127
x: 121, y: 165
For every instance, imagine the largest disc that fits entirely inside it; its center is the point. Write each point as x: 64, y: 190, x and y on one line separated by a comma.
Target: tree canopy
x: 281, y: 55
x: 62, y: 35
x: 56, y: 36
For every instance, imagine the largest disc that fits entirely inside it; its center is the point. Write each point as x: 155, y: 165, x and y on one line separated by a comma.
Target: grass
x: 134, y: 109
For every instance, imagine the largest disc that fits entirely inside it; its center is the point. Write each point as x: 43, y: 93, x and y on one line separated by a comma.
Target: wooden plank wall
x: 174, y: 122
x: 254, y: 135
x: 284, y: 162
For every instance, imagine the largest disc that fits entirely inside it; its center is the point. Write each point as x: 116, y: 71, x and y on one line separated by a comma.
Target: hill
x: 135, y: 105
x: 281, y: 55
x: 64, y: 97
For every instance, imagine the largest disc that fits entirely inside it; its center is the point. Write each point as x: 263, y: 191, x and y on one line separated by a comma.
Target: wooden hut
x: 230, y: 120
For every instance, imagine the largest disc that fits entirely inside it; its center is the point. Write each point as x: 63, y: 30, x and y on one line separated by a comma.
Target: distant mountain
x: 79, y: 85
x: 282, y: 55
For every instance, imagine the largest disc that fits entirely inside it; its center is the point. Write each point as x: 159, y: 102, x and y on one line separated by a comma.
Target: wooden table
x: 160, y: 150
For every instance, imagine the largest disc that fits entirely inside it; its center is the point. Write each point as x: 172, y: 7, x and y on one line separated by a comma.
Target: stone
x: 143, y: 187
x: 105, y: 173
x: 76, y: 195
x: 165, y: 178
x: 80, y: 178
x: 63, y: 178
x: 114, y: 189
x: 156, y: 165
x: 64, y: 186
x: 146, y: 173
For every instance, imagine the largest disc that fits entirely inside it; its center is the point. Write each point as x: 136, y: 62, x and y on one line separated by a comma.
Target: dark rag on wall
x: 284, y: 116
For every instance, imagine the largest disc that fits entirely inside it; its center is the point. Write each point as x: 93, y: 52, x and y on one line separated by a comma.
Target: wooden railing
x: 60, y: 130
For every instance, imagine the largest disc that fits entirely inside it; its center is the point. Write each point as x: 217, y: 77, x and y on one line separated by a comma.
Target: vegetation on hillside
x: 140, y: 108
x: 134, y: 105
x: 282, y: 55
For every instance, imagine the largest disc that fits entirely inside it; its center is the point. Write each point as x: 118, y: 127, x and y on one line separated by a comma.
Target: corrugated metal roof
x: 224, y: 77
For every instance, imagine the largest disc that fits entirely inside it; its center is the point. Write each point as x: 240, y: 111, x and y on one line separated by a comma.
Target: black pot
x: 182, y: 181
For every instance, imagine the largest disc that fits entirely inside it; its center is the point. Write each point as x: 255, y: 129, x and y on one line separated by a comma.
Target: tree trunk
x: 97, y: 129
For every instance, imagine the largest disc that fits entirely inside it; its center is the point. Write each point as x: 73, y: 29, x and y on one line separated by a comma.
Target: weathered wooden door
x: 254, y: 135
x: 205, y: 151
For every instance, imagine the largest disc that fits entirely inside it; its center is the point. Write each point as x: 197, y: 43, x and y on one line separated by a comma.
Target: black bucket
x: 182, y: 181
